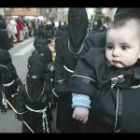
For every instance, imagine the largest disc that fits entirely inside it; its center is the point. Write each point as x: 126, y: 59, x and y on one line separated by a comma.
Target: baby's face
x: 123, y: 46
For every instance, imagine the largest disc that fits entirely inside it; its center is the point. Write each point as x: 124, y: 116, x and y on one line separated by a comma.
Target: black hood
x: 35, y: 79
x: 34, y: 58
x: 36, y: 70
x: 77, y: 28
x: 124, y: 12
x: 45, y: 54
x: 5, y: 57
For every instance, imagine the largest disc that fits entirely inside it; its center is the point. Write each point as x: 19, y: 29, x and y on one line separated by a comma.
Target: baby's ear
x: 139, y: 56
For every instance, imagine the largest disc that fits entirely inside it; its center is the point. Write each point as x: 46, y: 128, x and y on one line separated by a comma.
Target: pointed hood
x: 77, y: 28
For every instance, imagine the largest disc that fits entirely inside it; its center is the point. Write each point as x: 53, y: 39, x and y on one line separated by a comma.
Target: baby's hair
x: 124, y: 20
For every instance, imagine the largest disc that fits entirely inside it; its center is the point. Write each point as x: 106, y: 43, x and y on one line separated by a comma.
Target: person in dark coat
x: 99, y: 27
x: 5, y: 42
x: 33, y: 97
x: 45, y: 54
x: 107, y: 80
x: 72, y: 47
x: 97, y: 39
x: 41, y: 47
x: 9, y: 80
x: 61, y: 34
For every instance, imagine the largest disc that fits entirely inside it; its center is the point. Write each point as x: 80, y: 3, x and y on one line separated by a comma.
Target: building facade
x: 25, y: 12
x: 20, y: 11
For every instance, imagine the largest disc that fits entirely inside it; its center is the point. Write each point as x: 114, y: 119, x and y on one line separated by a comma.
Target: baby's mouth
x: 118, y: 62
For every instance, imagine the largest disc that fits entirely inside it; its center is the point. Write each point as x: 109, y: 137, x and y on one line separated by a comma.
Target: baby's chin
x: 118, y: 65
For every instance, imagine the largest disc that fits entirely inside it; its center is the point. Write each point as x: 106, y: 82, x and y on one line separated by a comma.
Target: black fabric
x: 45, y: 54
x: 37, y: 58
x: 104, y: 98
x: 33, y: 119
x: 61, y: 41
x: 36, y: 68
x: 35, y: 93
x: 7, y: 75
x: 35, y: 85
x: 43, y: 50
x: 5, y: 57
x: 77, y: 28
x: 34, y: 58
x: 65, y: 57
x: 38, y: 42
x: 97, y: 39
x: 7, y: 68
x: 5, y: 42
x: 2, y: 23
x: 98, y: 70
x: 124, y: 12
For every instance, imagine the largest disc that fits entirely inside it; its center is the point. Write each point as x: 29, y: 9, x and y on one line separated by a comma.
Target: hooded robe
x: 32, y: 100
x: 9, y: 78
x: 65, y: 63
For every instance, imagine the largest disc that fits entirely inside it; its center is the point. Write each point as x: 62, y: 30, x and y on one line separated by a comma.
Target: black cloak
x: 32, y: 100
x: 72, y: 47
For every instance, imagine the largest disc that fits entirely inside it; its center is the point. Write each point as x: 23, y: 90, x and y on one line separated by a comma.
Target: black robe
x: 114, y: 93
x: 66, y: 60
x: 33, y: 98
x: 33, y: 119
x: 69, y: 51
x: 10, y: 81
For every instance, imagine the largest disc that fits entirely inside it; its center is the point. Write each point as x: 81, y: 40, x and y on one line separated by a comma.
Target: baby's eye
x: 109, y: 47
x: 124, y: 47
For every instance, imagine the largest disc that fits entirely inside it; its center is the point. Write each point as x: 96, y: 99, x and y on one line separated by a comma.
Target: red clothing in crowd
x: 20, y: 25
x: 18, y: 35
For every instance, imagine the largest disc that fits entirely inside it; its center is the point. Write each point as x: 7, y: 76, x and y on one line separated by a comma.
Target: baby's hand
x: 81, y: 113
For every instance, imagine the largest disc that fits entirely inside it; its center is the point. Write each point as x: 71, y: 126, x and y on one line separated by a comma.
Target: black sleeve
x: 14, y: 73
x: 48, y: 90
x: 61, y: 42
x: 84, y: 80
x: 21, y: 100
x: 60, y: 83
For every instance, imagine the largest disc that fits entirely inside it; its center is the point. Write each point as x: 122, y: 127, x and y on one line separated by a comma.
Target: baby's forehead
x: 127, y: 29
x: 132, y: 23
x: 122, y: 34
